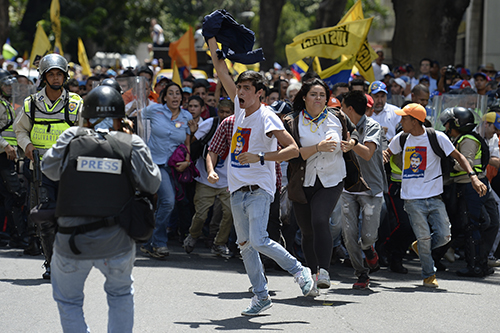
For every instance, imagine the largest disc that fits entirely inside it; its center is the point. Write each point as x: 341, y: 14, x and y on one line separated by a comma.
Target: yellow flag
x: 82, y: 58
x: 330, y: 42
x: 354, y: 14
x: 366, y: 55
x: 41, y: 44
x: 316, y: 65
x: 239, y: 68
x: 176, y: 78
x: 56, y: 25
x: 338, y: 73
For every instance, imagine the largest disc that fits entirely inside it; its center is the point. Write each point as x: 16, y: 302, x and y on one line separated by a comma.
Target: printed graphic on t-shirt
x: 416, y: 162
x: 239, y: 144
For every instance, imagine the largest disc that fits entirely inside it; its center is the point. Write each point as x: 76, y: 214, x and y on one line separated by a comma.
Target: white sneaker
x: 314, y: 291
x: 323, y: 279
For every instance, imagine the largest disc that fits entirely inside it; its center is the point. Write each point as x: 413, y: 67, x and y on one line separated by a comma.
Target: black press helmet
x: 460, y: 118
x: 6, y: 79
x: 103, y: 102
x: 113, y: 84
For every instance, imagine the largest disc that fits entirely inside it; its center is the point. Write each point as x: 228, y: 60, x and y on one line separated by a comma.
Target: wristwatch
x: 261, y: 156
x: 473, y: 173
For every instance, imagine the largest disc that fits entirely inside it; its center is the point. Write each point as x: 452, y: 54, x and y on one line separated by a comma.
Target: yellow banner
x: 354, y: 14
x: 41, y: 44
x: 364, y: 60
x: 56, y: 25
x: 82, y: 58
x: 329, y: 43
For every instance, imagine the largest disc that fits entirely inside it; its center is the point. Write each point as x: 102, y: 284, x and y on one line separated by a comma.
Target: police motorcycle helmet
x: 103, y: 102
x: 459, y: 118
x: 113, y: 84
x: 6, y: 79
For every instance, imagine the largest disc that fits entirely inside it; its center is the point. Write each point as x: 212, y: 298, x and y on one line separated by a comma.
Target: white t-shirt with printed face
x: 422, y: 176
x: 249, y: 135
x: 220, y: 168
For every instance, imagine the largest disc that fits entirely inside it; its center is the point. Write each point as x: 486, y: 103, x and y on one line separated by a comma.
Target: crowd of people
x: 280, y: 171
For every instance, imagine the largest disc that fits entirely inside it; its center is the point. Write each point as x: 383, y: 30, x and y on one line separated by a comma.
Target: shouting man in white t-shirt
x: 421, y: 189
x: 252, y: 180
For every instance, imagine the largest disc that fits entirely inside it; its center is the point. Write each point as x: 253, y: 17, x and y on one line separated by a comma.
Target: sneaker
x: 362, y: 283
x: 372, y: 263
x: 314, y: 291
x: 156, y: 252
x: 257, y: 306
x: 323, y: 281
x: 414, y: 247
x: 493, y: 262
x: 431, y: 281
x: 189, y: 243
x: 46, y: 274
x: 305, y: 281
x: 450, y: 255
x: 221, y: 250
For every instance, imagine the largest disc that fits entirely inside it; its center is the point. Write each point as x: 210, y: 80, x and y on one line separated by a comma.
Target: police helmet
x: 51, y: 61
x: 102, y: 102
x: 460, y: 118
x: 6, y: 79
x: 113, y: 84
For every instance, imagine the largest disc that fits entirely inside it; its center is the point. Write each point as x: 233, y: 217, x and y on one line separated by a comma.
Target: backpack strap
x: 431, y: 134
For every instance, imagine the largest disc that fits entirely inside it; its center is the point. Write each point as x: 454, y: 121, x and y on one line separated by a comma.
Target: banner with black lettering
x: 329, y: 43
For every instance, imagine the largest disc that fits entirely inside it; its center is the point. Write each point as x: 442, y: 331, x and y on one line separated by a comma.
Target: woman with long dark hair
x: 316, y: 176
x: 169, y: 128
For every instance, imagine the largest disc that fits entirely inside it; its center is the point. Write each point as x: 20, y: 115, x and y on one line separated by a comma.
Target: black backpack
x: 199, y: 148
x: 447, y: 162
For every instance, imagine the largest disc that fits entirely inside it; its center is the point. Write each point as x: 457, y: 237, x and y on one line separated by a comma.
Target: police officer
x: 10, y: 188
x: 481, y: 228
x: 45, y: 116
x: 94, y: 186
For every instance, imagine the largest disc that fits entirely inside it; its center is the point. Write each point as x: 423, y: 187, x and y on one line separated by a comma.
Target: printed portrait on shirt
x: 415, y: 162
x: 239, y: 144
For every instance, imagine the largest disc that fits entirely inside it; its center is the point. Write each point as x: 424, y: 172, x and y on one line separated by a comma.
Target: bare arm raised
x: 221, y: 68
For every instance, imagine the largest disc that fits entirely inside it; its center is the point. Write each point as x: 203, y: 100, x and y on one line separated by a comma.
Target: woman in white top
x: 316, y: 176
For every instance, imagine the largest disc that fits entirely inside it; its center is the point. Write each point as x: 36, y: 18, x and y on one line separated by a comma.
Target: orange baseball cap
x: 415, y: 110
x: 334, y: 103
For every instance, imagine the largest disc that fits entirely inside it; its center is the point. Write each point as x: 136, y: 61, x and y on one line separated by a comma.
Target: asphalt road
x: 202, y: 293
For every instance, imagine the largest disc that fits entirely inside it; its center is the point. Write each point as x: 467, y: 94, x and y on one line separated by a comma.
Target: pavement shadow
x: 309, y: 302
x: 230, y: 295
x: 242, y: 323
x: 26, y: 282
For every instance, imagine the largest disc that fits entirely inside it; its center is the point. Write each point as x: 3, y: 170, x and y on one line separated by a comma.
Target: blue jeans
x: 166, y: 204
x: 431, y: 226
x: 251, y: 215
x: 68, y: 278
x: 360, y: 234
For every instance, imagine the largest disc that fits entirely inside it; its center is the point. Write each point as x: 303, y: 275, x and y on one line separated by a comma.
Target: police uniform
x: 11, y: 190
x: 482, y: 212
x: 41, y: 123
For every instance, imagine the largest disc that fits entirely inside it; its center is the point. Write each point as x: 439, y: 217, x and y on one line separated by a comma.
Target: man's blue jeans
x: 251, y: 214
x: 68, y: 278
x: 431, y: 226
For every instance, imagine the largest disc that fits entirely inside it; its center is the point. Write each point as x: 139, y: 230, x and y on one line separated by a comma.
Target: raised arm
x: 221, y: 68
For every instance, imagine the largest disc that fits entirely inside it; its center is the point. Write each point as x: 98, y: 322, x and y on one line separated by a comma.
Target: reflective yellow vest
x: 478, y: 168
x: 7, y: 132
x: 48, y: 126
x: 395, y: 170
